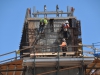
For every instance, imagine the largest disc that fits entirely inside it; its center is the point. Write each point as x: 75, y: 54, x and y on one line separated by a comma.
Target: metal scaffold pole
x: 34, y: 62
x: 58, y: 61
x: 82, y: 62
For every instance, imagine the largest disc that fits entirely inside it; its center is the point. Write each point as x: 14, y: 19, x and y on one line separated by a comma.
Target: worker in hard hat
x: 65, y: 27
x: 43, y: 22
x: 63, y: 46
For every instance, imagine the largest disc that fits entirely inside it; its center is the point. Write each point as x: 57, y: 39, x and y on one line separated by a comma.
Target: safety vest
x: 65, y: 25
x: 44, y: 21
x: 63, y: 44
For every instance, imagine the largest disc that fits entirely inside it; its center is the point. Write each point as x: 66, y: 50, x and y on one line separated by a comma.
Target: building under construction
x: 40, y: 54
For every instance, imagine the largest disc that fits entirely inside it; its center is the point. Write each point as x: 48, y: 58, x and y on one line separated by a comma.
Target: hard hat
x: 67, y: 21
x: 63, y: 39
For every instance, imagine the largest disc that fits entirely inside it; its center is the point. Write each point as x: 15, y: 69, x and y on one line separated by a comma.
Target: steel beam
x: 50, y: 12
x: 56, y: 18
x: 39, y: 62
x: 60, y: 59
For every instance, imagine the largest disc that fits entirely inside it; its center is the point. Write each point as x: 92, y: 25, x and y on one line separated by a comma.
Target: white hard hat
x: 63, y: 39
x: 67, y: 21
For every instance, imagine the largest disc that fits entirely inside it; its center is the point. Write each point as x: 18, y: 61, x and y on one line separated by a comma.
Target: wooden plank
x: 18, y: 72
x: 3, y: 67
x: 10, y: 73
x: 17, y: 67
x: 15, y: 62
x: 90, y: 66
x: 14, y: 69
x: 4, y: 73
x: 11, y: 65
x: 52, y: 53
x: 97, y: 64
x: 7, y: 71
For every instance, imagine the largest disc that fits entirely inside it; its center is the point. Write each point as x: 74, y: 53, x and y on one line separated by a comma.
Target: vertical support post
x: 37, y: 12
x: 21, y: 73
x: 46, y: 44
x: 7, y: 70
x: 80, y: 71
x: 29, y: 12
x: 72, y: 11
x: 82, y: 63
x: 34, y: 62
x: 14, y: 69
x: 15, y: 55
x: 61, y: 14
x: 57, y: 10
x: 58, y: 61
x: 34, y: 11
x: 93, y: 48
x: 45, y: 15
x: 67, y: 11
x: 85, y: 69
x: 34, y: 8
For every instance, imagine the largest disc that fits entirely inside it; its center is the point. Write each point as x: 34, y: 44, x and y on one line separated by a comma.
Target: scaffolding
x: 47, y: 45
x: 41, y: 53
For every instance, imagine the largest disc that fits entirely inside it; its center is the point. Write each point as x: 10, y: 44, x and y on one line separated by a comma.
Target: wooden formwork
x: 12, y: 68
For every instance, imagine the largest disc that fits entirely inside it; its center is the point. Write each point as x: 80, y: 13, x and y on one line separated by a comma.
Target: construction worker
x: 43, y: 22
x: 63, y: 46
x: 64, y: 29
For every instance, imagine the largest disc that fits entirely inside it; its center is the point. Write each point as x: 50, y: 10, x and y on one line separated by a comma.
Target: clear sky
x: 12, y: 14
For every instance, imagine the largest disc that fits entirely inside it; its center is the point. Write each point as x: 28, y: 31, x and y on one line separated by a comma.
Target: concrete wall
x: 52, y: 38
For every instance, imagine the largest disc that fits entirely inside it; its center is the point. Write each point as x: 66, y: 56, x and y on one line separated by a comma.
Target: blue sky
x: 12, y: 14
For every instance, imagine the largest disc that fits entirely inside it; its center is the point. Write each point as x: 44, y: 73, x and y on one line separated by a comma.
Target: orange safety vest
x: 65, y: 25
x: 63, y: 44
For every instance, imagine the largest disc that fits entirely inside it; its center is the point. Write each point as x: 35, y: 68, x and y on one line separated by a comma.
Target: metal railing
x: 14, y: 58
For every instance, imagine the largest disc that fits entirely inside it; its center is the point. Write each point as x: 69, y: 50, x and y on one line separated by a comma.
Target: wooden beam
x: 94, y: 68
x: 46, y: 46
x: 15, y: 62
x: 52, y: 53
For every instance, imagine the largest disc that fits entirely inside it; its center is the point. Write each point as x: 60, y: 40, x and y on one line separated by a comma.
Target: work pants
x: 64, y: 49
x: 41, y: 28
x: 65, y: 34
